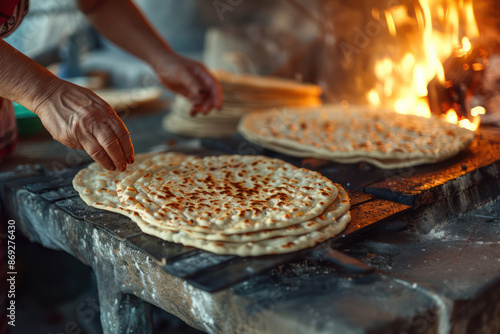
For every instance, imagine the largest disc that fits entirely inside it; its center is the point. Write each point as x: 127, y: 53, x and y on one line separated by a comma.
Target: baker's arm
x: 122, y: 23
x: 73, y: 115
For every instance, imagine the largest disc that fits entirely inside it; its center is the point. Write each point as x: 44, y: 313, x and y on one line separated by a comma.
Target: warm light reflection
x: 464, y: 123
x: 402, y: 82
x: 476, y: 111
x: 391, y: 26
x: 420, y: 82
x: 475, y: 124
x: 470, y: 20
x: 477, y: 67
x: 451, y: 116
x: 422, y: 108
x: 466, y: 46
x: 413, y: 106
x: 373, y: 98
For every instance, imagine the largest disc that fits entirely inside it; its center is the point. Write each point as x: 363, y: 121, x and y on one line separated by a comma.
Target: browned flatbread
x: 98, y: 188
x: 381, y: 137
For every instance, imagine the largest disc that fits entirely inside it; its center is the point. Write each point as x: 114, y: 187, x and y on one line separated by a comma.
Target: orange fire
x: 451, y: 116
x: 402, y: 84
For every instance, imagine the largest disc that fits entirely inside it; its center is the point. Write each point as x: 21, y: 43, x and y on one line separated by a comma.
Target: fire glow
x: 402, y: 83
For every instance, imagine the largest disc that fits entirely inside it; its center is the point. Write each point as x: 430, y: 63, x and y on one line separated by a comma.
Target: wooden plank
x: 371, y: 214
x: 353, y: 176
x: 193, y: 264
x: 365, y: 215
x: 120, y: 226
x: 161, y: 250
x: 60, y: 194
x: 413, y: 185
x: 27, y: 180
x: 52, y: 180
x: 77, y: 208
x: 239, y: 270
x: 356, y: 197
x: 50, y: 184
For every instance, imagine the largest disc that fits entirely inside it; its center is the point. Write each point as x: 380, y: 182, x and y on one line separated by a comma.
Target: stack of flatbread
x: 242, y: 93
x: 380, y: 137
x: 242, y: 205
x: 121, y: 99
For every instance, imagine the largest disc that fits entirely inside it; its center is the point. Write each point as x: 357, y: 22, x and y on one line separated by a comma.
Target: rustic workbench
x: 425, y: 282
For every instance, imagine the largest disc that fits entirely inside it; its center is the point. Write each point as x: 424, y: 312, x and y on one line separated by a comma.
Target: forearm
x: 23, y: 80
x: 123, y: 23
x: 73, y: 115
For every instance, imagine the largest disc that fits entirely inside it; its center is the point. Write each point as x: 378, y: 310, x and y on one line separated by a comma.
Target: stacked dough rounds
x: 242, y: 205
x: 242, y: 93
x: 383, y: 138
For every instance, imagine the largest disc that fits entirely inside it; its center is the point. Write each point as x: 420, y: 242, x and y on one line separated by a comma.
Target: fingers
x: 215, y: 90
x: 107, y: 141
x: 200, y: 103
x: 123, y: 137
x: 97, y: 152
x: 194, y: 92
x: 195, y: 108
x: 110, y: 143
x: 210, y: 96
x: 192, y: 88
x: 192, y: 80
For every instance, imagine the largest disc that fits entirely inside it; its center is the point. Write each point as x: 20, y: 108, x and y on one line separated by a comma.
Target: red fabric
x: 7, y: 9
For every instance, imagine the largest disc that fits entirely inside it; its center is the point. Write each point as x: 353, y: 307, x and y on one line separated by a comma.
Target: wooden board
x: 423, y: 185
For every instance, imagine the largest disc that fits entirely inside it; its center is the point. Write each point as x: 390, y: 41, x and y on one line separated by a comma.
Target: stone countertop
x: 447, y: 280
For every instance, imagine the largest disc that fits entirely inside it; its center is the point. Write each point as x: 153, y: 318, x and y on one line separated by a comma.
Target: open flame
x: 402, y: 83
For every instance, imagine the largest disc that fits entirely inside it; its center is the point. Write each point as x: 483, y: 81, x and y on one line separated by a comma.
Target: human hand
x: 192, y: 80
x: 79, y: 119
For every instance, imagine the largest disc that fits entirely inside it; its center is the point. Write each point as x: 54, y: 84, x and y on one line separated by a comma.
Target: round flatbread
x: 330, y: 216
x: 230, y: 194
x: 384, y: 138
x: 97, y: 187
x: 276, y: 245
